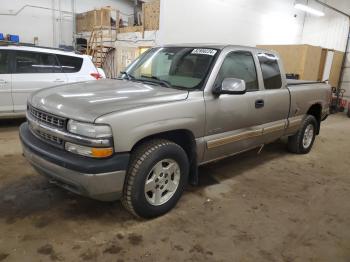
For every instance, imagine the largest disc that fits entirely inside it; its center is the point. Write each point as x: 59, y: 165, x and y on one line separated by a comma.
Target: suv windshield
x: 181, y: 67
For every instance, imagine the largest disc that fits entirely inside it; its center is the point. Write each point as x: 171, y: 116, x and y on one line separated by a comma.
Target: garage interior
x: 261, y: 205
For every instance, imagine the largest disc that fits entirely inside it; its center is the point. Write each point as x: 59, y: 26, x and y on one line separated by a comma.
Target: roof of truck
x: 198, y: 45
x: 217, y: 46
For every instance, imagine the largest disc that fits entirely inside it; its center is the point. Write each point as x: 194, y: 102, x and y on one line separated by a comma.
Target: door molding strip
x: 295, y: 121
x: 234, y: 138
x: 274, y: 128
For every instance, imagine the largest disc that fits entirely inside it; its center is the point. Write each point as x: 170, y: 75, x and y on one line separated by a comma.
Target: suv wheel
x: 156, y: 178
x: 301, y: 142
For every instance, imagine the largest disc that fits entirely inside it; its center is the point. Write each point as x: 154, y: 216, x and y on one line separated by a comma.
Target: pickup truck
x: 141, y: 137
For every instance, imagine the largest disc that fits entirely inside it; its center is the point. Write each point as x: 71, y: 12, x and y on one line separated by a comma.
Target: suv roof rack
x: 7, y: 43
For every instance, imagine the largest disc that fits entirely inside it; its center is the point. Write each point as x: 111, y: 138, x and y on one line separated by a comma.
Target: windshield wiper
x: 158, y: 80
x: 130, y: 77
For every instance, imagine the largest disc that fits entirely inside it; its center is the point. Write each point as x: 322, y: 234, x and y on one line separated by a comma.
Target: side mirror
x: 231, y: 86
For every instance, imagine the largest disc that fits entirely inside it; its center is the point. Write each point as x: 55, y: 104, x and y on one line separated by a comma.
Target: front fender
x: 133, y: 125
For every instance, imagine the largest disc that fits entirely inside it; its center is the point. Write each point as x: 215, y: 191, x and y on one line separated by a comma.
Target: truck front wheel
x: 156, y: 178
x: 301, y: 142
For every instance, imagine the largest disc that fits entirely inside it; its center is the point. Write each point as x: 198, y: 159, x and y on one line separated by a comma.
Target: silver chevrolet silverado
x: 141, y: 137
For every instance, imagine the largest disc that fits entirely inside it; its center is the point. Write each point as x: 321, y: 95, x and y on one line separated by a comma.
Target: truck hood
x: 86, y: 101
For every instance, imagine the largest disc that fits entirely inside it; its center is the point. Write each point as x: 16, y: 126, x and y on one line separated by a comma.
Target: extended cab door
x: 34, y: 71
x: 6, y: 105
x: 275, y: 103
x: 232, y: 120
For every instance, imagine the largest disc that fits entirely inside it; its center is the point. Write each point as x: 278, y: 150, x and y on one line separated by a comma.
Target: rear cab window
x: 270, y: 71
x: 70, y: 64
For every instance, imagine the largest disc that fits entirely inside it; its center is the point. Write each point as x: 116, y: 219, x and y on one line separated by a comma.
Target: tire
x: 164, y: 166
x: 297, y: 144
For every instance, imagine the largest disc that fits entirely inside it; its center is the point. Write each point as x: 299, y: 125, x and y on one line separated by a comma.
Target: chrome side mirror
x: 232, y: 86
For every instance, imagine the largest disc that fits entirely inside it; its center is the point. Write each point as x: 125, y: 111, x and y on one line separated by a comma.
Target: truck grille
x: 46, y: 118
x: 49, y: 138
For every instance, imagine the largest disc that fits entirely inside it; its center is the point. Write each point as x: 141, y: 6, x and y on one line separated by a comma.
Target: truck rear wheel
x: 156, y: 178
x: 301, y: 142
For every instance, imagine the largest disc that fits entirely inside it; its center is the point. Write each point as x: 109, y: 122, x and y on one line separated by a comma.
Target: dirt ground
x: 275, y: 206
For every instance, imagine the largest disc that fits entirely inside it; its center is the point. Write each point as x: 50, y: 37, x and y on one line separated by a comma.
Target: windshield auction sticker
x: 204, y: 51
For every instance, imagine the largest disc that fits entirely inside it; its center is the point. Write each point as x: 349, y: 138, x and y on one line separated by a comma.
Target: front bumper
x: 101, y: 179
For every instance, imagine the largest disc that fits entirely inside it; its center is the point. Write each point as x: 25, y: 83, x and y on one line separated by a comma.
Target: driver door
x: 6, y: 104
x: 231, y: 119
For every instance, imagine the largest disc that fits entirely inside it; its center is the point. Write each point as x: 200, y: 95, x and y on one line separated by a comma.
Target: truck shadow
x: 232, y: 166
x: 32, y: 196
x: 11, y: 122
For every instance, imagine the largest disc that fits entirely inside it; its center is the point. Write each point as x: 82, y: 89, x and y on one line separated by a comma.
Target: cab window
x: 239, y: 65
x: 270, y: 71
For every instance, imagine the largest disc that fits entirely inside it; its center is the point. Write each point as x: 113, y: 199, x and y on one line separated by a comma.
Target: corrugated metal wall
x: 329, y: 31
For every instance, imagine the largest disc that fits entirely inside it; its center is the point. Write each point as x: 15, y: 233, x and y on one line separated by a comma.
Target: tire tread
x: 140, y: 154
x: 294, y: 142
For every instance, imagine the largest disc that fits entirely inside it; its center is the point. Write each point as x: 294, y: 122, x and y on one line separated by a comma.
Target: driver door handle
x: 2, y: 82
x: 259, y: 103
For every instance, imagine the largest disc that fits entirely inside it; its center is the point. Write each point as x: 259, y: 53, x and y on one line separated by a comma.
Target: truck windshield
x: 178, y: 67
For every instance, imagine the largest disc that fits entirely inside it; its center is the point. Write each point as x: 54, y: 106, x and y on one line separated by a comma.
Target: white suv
x: 25, y: 69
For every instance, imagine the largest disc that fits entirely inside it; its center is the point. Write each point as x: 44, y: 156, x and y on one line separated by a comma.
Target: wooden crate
x: 150, y: 19
x: 150, y: 13
x: 124, y: 56
x: 131, y: 29
x: 336, y: 68
x: 95, y: 18
x: 322, y: 64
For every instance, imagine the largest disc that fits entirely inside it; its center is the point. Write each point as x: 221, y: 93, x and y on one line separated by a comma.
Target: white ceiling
x: 342, y: 5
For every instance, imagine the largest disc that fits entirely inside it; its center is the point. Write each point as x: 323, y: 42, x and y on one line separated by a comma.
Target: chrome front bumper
x: 105, y: 181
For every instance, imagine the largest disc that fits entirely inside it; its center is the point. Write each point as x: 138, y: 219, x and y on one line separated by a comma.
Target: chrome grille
x: 46, y: 117
x: 49, y: 137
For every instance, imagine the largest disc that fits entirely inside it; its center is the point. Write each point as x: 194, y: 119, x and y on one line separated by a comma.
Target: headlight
x: 89, y: 130
x: 89, y: 151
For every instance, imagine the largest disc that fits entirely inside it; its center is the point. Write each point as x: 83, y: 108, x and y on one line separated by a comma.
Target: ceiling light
x: 308, y: 9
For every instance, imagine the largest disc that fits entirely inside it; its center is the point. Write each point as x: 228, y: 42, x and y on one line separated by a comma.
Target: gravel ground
x: 275, y: 206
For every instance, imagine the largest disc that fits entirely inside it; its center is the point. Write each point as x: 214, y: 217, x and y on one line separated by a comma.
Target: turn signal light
x: 89, y: 151
x: 101, y: 152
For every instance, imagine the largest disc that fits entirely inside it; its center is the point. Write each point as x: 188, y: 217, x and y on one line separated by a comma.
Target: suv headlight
x: 89, y: 130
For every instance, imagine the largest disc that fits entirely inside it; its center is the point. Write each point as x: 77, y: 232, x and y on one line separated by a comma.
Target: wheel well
x: 316, y: 110
x: 186, y: 140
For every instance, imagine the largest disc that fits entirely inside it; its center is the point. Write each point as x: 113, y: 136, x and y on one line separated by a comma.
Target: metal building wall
x: 329, y: 31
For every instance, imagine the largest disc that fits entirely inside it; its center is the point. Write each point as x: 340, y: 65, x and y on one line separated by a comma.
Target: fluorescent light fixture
x: 308, y: 9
